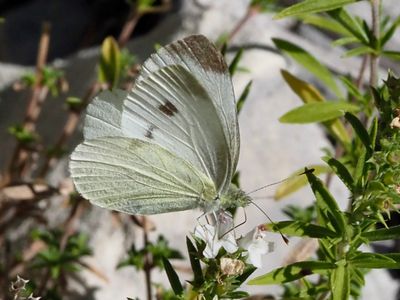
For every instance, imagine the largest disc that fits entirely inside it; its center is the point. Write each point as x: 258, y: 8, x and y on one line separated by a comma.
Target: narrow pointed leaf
x: 360, y: 130
x: 309, y: 62
x: 358, y: 51
x: 297, y: 228
x: 292, y: 272
x: 318, y: 112
x: 325, y: 23
x: 376, y: 261
x: 194, y: 262
x: 243, y: 97
x: 340, y: 282
x: 373, y: 132
x: 341, y: 171
x: 309, y: 94
x: 173, y: 277
x: 392, y: 233
x: 326, y: 201
x: 347, y: 21
x: 312, y: 6
x: 296, y: 181
x: 235, y: 62
x: 392, y: 54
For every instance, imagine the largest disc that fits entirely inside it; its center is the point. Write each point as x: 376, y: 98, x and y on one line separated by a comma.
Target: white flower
x: 208, y: 233
x: 256, y: 244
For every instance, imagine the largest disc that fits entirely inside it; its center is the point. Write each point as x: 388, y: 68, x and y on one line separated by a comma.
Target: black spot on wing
x: 149, y: 132
x: 168, y: 108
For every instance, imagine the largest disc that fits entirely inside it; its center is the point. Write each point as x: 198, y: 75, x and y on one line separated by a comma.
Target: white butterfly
x: 170, y: 144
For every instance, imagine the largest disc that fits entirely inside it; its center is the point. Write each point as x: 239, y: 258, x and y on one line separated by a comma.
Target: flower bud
x: 231, y: 267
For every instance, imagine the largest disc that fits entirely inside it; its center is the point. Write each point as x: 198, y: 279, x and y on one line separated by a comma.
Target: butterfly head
x: 234, y: 197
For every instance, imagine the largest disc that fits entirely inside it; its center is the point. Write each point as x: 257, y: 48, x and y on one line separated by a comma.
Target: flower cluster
x: 254, y: 244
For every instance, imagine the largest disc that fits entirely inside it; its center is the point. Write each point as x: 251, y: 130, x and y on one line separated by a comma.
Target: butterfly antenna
x: 306, y: 171
x: 284, y: 238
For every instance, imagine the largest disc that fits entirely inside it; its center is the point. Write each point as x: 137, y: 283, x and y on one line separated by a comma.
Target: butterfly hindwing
x: 172, y: 109
x: 137, y: 177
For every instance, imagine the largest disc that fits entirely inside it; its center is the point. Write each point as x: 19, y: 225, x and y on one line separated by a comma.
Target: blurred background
x: 51, y: 55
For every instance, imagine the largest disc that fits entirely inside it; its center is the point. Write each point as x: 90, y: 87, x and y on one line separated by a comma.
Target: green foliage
x: 21, y: 134
x: 312, y: 6
x: 158, y: 251
x: 57, y: 259
x: 110, y: 62
x: 367, y: 160
x: 318, y: 112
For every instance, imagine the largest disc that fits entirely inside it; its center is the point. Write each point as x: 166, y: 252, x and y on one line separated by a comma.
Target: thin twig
x: 68, y: 129
x: 251, y: 11
x: 148, y: 263
x: 39, y: 93
x: 134, y: 17
x: 374, y: 62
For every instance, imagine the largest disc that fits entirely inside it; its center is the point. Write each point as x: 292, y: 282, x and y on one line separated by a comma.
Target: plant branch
x: 374, y: 61
x: 18, y: 163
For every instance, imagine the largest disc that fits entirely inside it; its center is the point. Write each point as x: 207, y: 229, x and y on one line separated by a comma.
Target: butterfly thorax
x: 234, y: 197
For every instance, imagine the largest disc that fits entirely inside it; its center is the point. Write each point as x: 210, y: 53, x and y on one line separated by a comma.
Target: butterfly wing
x: 172, y: 109
x: 200, y: 57
x: 103, y: 115
x: 137, y: 177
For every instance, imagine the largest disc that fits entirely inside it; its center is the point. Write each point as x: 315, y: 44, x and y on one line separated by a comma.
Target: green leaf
x: 234, y: 64
x: 318, y: 112
x: 392, y: 233
x: 297, y: 228
x: 345, y: 41
x: 173, y: 277
x: 340, y: 282
x: 373, y: 132
x: 359, y: 169
x: 325, y: 201
x: 309, y: 94
x: 347, y: 21
x: 310, y: 63
x: 110, y: 62
x: 243, y: 96
x: 392, y: 54
x: 352, y: 89
x: 194, y: 262
x: 360, y: 130
x: 325, y: 23
x: 312, y: 6
x: 296, y: 181
x: 386, y: 36
x: 358, y: 51
x: 292, y: 272
x: 376, y: 261
x: 341, y: 171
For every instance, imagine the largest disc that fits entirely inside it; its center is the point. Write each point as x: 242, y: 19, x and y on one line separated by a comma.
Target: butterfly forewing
x: 206, y: 64
x: 103, y: 115
x: 171, y: 109
x: 137, y: 177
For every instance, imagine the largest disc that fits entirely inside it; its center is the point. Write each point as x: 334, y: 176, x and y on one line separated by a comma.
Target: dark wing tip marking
x: 168, y: 108
x: 208, y: 55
